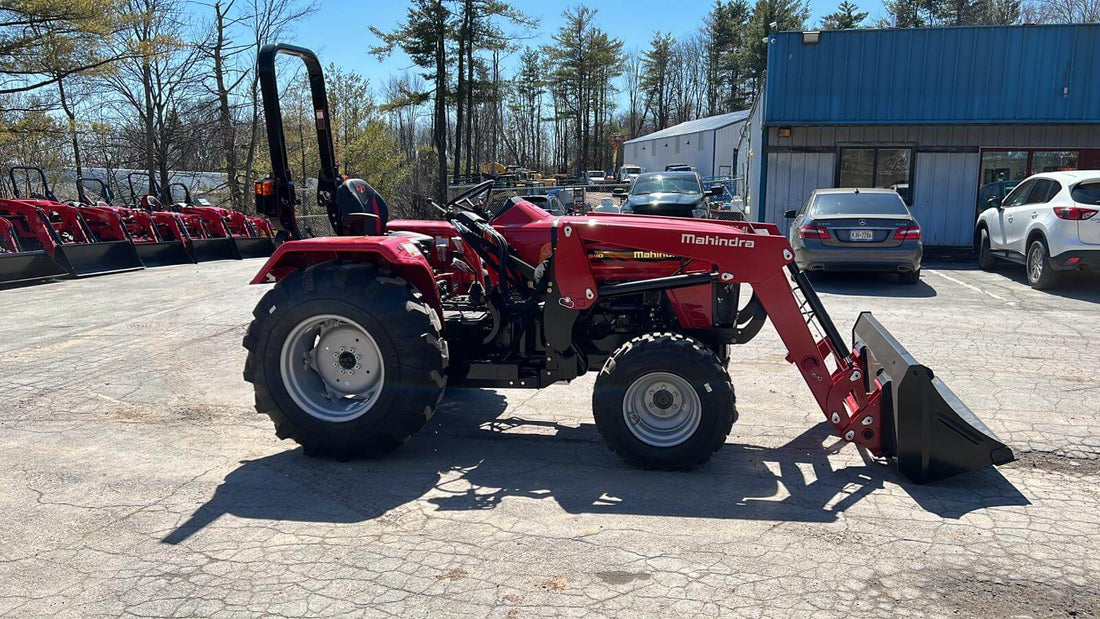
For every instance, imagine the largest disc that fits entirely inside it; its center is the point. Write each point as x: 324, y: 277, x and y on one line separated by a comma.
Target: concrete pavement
x: 137, y: 479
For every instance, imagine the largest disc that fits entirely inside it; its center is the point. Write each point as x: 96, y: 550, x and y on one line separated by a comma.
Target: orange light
x: 265, y: 188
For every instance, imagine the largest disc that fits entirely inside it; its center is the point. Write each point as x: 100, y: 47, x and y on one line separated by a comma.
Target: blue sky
x: 338, y: 32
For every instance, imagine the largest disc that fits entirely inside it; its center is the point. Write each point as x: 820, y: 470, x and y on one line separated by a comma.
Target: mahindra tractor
x: 160, y: 238
x: 209, y: 237
x: 350, y: 351
x: 252, y: 236
x: 50, y: 239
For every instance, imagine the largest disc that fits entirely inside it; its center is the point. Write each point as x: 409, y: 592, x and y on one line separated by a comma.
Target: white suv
x: 1049, y: 222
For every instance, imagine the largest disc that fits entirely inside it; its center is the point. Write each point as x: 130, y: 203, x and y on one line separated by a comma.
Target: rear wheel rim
x: 332, y: 368
x: 662, y: 409
x: 1035, y: 262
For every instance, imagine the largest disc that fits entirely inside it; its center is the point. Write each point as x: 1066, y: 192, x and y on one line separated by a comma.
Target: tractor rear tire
x: 399, y: 335
x: 664, y: 401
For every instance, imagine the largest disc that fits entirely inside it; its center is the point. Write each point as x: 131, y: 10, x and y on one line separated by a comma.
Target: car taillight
x: 907, y: 233
x: 1075, y: 213
x: 813, y: 232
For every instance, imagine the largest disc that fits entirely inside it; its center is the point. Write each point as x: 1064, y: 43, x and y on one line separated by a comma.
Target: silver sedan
x: 857, y: 230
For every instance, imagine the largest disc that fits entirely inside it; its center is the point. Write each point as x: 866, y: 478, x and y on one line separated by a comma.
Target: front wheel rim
x: 332, y: 368
x: 662, y: 409
x: 1035, y: 268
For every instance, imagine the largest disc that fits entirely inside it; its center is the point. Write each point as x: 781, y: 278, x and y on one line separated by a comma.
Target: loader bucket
x: 260, y: 247
x: 85, y: 259
x: 926, y: 427
x: 163, y: 253
x: 205, y: 250
x: 28, y: 266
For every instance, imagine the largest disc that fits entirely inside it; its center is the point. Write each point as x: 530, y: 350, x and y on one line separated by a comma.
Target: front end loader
x: 62, y: 232
x: 249, y: 241
x: 208, y: 238
x: 351, y: 350
x: 160, y: 239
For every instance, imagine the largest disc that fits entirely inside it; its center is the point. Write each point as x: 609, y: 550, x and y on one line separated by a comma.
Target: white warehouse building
x: 707, y: 144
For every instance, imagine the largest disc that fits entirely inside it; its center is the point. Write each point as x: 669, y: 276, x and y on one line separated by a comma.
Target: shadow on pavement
x: 1081, y: 286
x: 467, y: 459
x: 870, y: 284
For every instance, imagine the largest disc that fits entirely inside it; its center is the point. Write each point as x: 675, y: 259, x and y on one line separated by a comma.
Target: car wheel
x: 986, y: 261
x: 909, y: 277
x: 1040, y: 273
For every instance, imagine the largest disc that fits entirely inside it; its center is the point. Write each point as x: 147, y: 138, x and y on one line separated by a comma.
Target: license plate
x: 861, y: 235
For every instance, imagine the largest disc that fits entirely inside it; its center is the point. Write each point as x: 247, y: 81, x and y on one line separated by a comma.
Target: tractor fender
x: 399, y: 253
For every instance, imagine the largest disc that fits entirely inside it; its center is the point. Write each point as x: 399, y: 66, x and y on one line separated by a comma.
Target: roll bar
x: 152, y: 189
x: 104, y: 190
x: 25, y: 169
x: 275, y: 195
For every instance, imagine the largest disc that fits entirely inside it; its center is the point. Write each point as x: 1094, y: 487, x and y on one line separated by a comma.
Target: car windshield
x: 1087, y: 192
x: 595, y: 174
x: 859, y: 204
x: 670, y: 183
x: 629, y: 170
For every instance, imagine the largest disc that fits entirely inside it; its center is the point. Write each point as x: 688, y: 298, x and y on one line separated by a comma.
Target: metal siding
x: 943, y: 197
x: 974, y: 74
x: 792, y: 176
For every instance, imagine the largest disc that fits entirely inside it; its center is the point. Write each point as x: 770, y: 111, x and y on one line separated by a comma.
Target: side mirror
x: 790, y: 214
x: 618, y: 191
x: 994, y: 202
x: 716, y: 191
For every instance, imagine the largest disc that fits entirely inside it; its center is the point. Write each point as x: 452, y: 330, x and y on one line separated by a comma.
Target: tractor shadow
x: 473, y: 457
x: 870, y: 285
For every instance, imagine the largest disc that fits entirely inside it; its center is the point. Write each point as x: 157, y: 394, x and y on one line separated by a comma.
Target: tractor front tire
x: 664, y: 401
x: 346, y: 359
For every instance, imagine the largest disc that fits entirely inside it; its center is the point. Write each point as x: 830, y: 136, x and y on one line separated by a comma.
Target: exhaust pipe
x: 926, y: 428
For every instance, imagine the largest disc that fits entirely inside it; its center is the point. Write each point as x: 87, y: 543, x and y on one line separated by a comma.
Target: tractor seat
x: 356, y: 196
x: 149, y: 202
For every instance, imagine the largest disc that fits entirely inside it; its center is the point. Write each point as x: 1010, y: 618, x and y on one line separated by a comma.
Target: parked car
x: 592, y: 177
x: 628, y: 173
x: 997, y: 190
x: 549, y: 203
x: 1048, y: 223
x: 679, y: 167
x: 674, y: 194
x: 857, y: 230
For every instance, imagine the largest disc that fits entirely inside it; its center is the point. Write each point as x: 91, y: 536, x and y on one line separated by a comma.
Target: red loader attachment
x: 65, y: 234
x: 19, y: 266
x: 207, y: 238
x: 158, y: 238
x: 247, y: 242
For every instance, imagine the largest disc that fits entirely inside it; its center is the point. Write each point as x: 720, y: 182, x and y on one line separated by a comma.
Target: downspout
x: 714, y: 152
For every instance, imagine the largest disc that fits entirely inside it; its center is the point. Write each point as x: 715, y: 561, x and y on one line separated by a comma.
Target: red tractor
x: 252, y: 236
x: 209, y: 240
x: 350, y: 351
x: 52, y: 239
x: 160, y: 238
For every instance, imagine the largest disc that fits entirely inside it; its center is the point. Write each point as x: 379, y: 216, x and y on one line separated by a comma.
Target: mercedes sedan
x: 857, y: 230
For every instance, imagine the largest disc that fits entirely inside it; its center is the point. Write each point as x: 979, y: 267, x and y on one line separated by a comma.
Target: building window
x: 877, y: 167
x: 1003, y: 169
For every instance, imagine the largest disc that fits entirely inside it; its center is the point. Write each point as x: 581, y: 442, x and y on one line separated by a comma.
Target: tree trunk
x: 225, y: 116
x: 71, y: 115
x: 440, y: 129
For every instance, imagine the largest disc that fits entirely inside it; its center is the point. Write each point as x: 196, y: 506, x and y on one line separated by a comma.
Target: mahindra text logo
x: 717, y: 241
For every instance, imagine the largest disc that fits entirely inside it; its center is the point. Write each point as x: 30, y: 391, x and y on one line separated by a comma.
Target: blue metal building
x: 947, y: 116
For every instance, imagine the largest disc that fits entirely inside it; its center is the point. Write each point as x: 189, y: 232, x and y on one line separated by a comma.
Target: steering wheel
x: 465, y: 196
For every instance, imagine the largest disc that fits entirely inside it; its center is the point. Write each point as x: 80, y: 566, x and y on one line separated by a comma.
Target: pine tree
x: 846, y: 16
x: 785, y: 14
x: 424, y: 37
x: 657, y: 64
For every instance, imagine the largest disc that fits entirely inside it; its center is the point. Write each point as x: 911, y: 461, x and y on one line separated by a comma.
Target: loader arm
x: 754, y: 254
x: 877, y: 396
